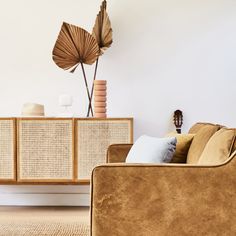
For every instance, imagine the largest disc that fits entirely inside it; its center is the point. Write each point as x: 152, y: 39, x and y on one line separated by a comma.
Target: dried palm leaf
x: 74, y: 45
x: 102, y: 30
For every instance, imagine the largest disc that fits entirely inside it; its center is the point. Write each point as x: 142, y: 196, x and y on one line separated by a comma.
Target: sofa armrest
x: 118, y: 152
x: 168, y: 199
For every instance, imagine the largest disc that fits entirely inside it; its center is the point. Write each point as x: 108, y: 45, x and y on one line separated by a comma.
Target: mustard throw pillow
x: 218, y: 148
x: 199, y: 142
x: 183, y: 143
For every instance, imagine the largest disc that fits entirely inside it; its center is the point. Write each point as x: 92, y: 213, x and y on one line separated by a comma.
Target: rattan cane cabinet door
x: 7, y: 150
x: 45, y: 150
x: 93, y: 137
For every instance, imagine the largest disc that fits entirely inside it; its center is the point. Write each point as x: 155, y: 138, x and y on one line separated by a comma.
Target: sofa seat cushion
x: 183, y: 143
x: 199, y: 142
x: 218, y: 148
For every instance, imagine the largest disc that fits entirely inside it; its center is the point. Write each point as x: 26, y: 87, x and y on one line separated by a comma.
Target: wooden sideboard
x: 57, y: 150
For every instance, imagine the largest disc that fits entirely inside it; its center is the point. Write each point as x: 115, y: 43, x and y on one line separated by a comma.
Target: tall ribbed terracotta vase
x: 100, y: 98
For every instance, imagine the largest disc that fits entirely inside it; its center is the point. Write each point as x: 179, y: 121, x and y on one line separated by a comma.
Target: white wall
x: 166, y: 55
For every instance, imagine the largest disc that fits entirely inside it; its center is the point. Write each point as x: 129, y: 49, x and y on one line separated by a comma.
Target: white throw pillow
x: 152, y: 150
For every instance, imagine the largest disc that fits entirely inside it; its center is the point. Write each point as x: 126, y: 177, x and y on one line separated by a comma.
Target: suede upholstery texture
x: 163, y: 200
x: 118, y: 153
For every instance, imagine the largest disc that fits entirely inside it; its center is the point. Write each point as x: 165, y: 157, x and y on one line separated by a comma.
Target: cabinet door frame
x: 46, y: 181
x: 14, y: 179
x: 131, y: 134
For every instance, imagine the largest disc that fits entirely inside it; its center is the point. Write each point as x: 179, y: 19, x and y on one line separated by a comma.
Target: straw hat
x: 32, y: 109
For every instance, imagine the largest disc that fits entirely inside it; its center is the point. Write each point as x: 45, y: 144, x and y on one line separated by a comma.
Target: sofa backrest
x: 203, y: 132
x: 196, y: 127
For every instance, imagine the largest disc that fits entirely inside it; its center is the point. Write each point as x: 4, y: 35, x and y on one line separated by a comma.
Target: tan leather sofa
x: 168, y: 199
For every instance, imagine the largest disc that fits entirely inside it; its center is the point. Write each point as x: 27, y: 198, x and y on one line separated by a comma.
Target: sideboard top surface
x: 66, y: 118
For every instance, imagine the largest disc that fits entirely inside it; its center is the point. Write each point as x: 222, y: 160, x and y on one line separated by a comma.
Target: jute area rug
x: 45, y: 221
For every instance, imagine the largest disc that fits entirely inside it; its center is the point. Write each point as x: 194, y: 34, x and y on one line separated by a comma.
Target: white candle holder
x: 66, y: 101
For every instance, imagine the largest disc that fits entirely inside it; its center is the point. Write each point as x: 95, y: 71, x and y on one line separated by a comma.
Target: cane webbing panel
x: 7, y: 149
x: 93, y: 139
x: 45, y: 149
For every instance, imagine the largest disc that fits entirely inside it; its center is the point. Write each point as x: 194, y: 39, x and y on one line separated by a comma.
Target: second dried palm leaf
x: 102, y: 30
